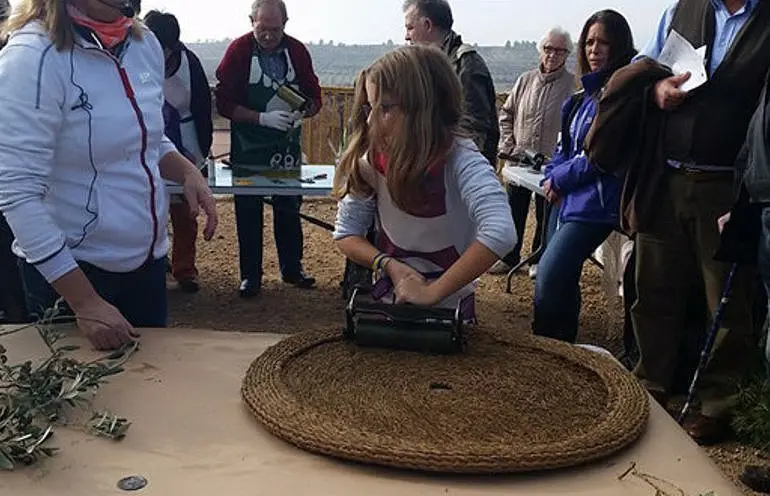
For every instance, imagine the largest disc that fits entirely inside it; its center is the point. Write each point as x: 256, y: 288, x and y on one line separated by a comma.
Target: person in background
x: 430, y: 22
x: 687, y: 186
x: 753, y: 172
x: 442, y: 217
x: 12, y: 306
x: 188, y: 123
x: 530, y: 120
x: 249, y: 75
x: 83, y: 165
x: 588, y: 199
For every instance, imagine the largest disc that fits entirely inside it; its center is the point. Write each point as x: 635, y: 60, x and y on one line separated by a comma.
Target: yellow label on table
x: 243, y: 181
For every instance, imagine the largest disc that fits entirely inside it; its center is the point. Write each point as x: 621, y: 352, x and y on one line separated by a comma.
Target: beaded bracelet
x: 379, y: 262
x: 376, y: 262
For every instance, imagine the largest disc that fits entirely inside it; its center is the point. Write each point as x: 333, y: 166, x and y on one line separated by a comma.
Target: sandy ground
x: 284, y: 309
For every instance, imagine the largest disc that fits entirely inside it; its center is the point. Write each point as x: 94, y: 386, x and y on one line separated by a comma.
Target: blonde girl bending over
x: 440, y: 214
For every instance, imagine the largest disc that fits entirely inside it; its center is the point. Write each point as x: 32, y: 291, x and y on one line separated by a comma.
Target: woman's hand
x: 104, y: 326
x: 550, y: 193
x: 416, y: 290
x: 198, y: 195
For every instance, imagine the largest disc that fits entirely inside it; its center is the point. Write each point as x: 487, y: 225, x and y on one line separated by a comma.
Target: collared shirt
x: 727, y: 27
x: 274, y: 63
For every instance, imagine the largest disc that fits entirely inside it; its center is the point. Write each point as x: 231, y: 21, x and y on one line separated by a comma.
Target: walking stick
x: 706, y: 352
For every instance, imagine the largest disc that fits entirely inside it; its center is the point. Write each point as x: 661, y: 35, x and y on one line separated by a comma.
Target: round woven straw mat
x: 521, y: 404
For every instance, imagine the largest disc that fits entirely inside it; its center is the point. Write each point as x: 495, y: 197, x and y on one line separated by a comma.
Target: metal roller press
x: 403, y: 326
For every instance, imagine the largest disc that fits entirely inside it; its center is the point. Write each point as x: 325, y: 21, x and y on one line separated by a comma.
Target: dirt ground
x: 284, y: 309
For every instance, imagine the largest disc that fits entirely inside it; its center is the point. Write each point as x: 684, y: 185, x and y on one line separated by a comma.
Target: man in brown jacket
x: 692, y: 159
x: 530, y: 120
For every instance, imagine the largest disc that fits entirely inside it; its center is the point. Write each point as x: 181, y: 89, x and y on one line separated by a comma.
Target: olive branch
x: 36, y: 397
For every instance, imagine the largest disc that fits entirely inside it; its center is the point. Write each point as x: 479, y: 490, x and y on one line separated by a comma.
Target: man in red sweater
x: 263, y: 125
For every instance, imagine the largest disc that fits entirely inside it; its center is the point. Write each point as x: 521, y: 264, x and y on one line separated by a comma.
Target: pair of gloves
x: 280, y: 119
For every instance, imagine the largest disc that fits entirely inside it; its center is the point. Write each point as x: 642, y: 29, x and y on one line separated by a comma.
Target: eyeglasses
x: 366, y: 109
x: 549, y: 50
x: 274, y: 32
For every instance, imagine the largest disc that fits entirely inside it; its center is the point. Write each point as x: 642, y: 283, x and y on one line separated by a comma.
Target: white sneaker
x: 499, y: 267
x: 533, y: 271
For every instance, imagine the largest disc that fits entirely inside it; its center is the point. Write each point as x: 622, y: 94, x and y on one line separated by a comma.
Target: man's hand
x: 103, y: 325
x: 276, y: 119
x: 198, y: 195
x: 668, y: 96
x: 722, y: 221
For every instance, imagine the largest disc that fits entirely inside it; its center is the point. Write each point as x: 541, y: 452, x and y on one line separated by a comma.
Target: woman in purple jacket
x: 587, y: 199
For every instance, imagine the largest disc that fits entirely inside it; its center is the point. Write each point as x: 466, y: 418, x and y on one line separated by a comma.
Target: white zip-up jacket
x: 81, y: 134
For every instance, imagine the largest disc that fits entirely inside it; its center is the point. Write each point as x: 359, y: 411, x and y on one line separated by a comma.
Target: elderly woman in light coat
x: 530, y: 120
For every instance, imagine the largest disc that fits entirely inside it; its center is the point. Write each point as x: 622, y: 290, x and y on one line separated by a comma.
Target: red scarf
x: 110, y: 34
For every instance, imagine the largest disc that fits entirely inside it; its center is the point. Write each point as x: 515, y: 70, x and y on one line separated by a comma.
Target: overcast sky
x: 486, y: 22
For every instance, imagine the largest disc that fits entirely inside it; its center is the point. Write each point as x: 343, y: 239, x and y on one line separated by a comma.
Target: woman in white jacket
x: 83, y: 160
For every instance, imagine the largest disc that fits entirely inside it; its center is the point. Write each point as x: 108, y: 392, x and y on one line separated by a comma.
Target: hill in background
x: 337, y: 65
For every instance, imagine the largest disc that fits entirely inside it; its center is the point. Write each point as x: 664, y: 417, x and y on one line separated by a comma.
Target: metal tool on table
x: 312, y: 220
x: 527, y: 158
x: 533, y: 162
x: 403, y: 326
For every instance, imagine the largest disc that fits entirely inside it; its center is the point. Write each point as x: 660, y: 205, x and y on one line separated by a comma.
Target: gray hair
x: 438, y: 11
x: 278, y: 3
x: 557, y: 31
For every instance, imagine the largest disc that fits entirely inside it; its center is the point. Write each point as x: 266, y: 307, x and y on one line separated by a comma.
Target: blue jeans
x: 139, y: 295
x: 287, y: 229
x: 557, y: 286
x: 764, y: 269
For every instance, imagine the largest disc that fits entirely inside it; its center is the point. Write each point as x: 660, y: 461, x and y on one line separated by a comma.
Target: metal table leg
x: 535, y: 254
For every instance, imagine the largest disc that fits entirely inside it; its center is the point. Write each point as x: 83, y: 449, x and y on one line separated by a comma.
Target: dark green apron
x: 256, y: 149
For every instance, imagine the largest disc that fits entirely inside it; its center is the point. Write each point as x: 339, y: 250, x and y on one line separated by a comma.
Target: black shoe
x: 708, y: 431
x: 756, y: 478
x: 189, y: 285
x: 300, y: 280
x: 250, y: 288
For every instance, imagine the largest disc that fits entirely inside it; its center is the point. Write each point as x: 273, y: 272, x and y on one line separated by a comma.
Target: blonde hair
x: 428, y: 97
x: 52, y: 14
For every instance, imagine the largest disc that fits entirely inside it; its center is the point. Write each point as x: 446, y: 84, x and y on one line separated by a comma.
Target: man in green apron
x: 266, y: 135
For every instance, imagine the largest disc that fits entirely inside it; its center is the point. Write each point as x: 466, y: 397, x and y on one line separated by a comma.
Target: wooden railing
x: 322, y: 135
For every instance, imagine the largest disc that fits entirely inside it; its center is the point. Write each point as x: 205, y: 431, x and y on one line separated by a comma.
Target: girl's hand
x: 398, y: 271
x: 417, y: 291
